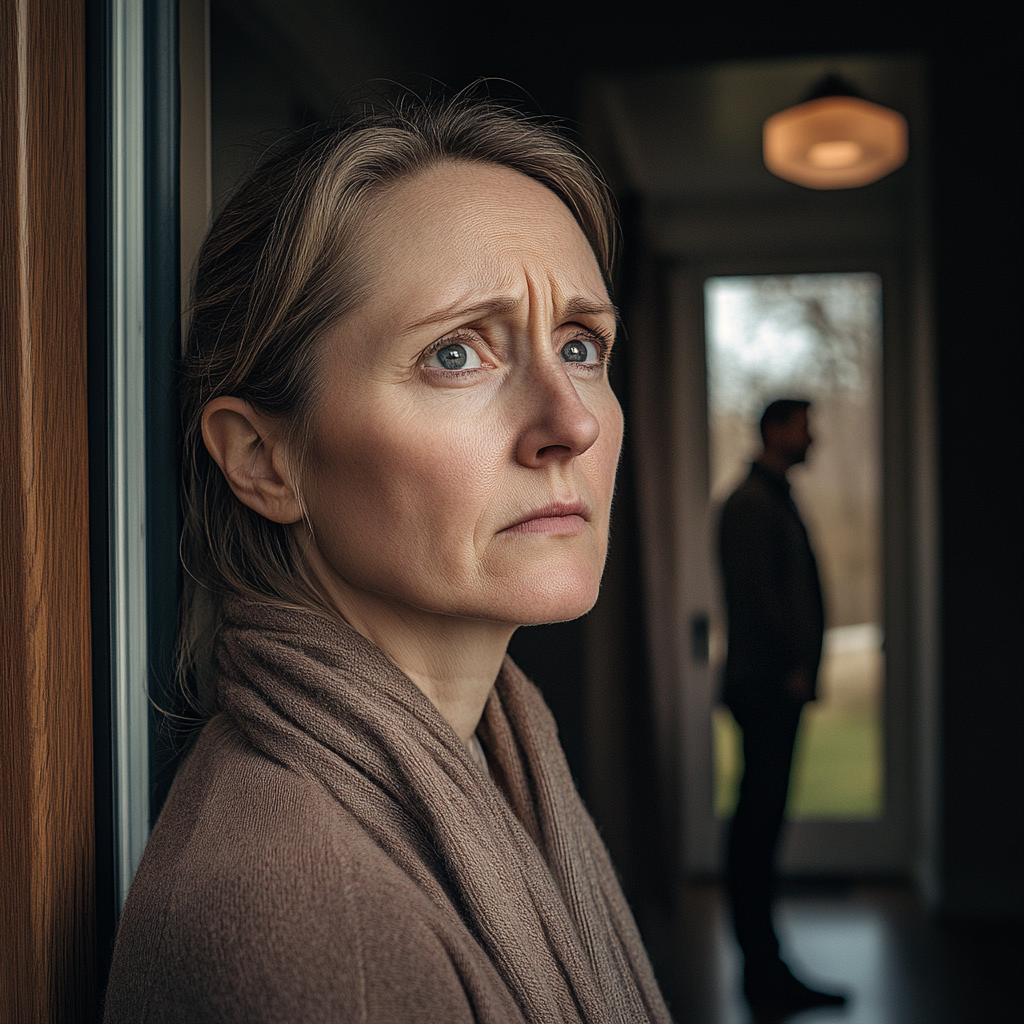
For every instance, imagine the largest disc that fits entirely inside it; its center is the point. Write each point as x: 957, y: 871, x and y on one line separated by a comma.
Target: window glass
x: 814, y: 336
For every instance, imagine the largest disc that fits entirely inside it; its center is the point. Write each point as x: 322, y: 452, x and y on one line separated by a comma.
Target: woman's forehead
x: 473, y: 205
x: 458, y: 230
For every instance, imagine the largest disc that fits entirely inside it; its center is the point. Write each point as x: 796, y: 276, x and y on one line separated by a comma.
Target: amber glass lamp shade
x: 835, y: 142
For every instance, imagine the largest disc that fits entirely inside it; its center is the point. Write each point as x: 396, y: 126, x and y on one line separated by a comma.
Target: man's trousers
x: 769, y: 734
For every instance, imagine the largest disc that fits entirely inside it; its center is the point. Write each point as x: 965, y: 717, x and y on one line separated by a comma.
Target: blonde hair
x: 281, y: 266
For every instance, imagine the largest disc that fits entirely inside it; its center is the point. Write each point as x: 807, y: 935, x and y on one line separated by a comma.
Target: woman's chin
x: 553, y: 599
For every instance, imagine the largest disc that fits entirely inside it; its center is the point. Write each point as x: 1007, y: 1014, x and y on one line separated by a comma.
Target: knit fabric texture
x: 331, y: 851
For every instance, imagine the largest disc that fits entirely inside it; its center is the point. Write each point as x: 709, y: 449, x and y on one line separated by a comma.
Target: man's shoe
x: 777, y: 992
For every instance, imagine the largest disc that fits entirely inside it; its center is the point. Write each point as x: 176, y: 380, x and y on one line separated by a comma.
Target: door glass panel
x: 814, y: 336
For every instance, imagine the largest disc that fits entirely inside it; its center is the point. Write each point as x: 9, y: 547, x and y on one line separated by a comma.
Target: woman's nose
x: 557, y: 425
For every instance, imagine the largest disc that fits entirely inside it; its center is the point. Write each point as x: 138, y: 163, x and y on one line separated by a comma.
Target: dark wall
x: 977, y: 267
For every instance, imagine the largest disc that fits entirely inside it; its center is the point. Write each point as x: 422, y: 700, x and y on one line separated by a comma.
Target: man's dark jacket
x: 772, y: 591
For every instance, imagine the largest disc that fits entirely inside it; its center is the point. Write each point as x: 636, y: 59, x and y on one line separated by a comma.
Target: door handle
x: 700, y: 638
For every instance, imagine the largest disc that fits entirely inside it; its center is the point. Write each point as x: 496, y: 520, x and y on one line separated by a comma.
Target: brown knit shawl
x: 519, y: 863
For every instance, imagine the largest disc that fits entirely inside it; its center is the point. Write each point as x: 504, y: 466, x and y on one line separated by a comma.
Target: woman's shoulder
x: 234, y: 812
x: 259, y: 897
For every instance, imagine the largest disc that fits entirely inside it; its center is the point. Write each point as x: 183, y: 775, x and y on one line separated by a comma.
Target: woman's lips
x: 556, y: 519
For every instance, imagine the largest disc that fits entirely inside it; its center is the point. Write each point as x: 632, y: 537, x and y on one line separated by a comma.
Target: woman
x: 401, y: 445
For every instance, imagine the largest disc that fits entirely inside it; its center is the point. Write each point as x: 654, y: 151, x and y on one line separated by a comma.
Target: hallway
x: 870, y: 940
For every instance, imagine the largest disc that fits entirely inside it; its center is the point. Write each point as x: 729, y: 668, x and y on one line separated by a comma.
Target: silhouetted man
x: 776, y: 625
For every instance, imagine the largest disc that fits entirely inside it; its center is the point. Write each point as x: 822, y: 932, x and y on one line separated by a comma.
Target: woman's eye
x: 580, y: 351
x: 455, y: 356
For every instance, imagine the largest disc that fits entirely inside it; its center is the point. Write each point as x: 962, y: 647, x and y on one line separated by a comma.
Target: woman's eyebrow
x: 498, y: 306
x: 457, y: 311
x: 590, y: 308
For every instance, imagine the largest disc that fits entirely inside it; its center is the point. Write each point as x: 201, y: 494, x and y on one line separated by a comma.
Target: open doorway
x: 849, y: 802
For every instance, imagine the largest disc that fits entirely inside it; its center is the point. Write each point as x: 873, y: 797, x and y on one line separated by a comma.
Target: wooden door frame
x: 47, y: 845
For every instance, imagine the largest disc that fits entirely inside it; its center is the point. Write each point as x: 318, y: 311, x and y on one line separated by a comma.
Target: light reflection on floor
x: 871, y: 941
x: 846, y: 955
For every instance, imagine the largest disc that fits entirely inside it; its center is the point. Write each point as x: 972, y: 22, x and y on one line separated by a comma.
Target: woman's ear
x: 253, y: 457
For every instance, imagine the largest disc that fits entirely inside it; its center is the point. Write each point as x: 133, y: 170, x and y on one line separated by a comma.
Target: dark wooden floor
x: 898, y: 965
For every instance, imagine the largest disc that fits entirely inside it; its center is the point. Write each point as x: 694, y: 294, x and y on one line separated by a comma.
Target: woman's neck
x: 454, y: 661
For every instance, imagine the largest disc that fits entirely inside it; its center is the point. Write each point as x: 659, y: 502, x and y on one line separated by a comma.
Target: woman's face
x: 463, y: 451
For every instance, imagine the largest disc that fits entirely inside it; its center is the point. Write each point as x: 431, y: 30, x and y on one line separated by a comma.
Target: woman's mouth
x: 556, y: 519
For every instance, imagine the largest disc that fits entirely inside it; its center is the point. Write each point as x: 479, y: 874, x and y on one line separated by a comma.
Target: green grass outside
x: 837, y: 768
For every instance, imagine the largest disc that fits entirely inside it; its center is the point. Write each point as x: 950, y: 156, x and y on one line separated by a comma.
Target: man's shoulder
x: 753, y: 492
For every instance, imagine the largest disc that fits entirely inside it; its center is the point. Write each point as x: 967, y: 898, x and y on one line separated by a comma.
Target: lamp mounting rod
x: 832, y: 85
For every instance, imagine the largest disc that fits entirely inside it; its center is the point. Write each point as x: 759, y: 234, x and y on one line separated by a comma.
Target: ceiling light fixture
x: 835, y: 139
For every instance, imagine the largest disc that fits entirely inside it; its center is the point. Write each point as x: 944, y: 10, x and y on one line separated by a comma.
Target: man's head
x: 785, y: 433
